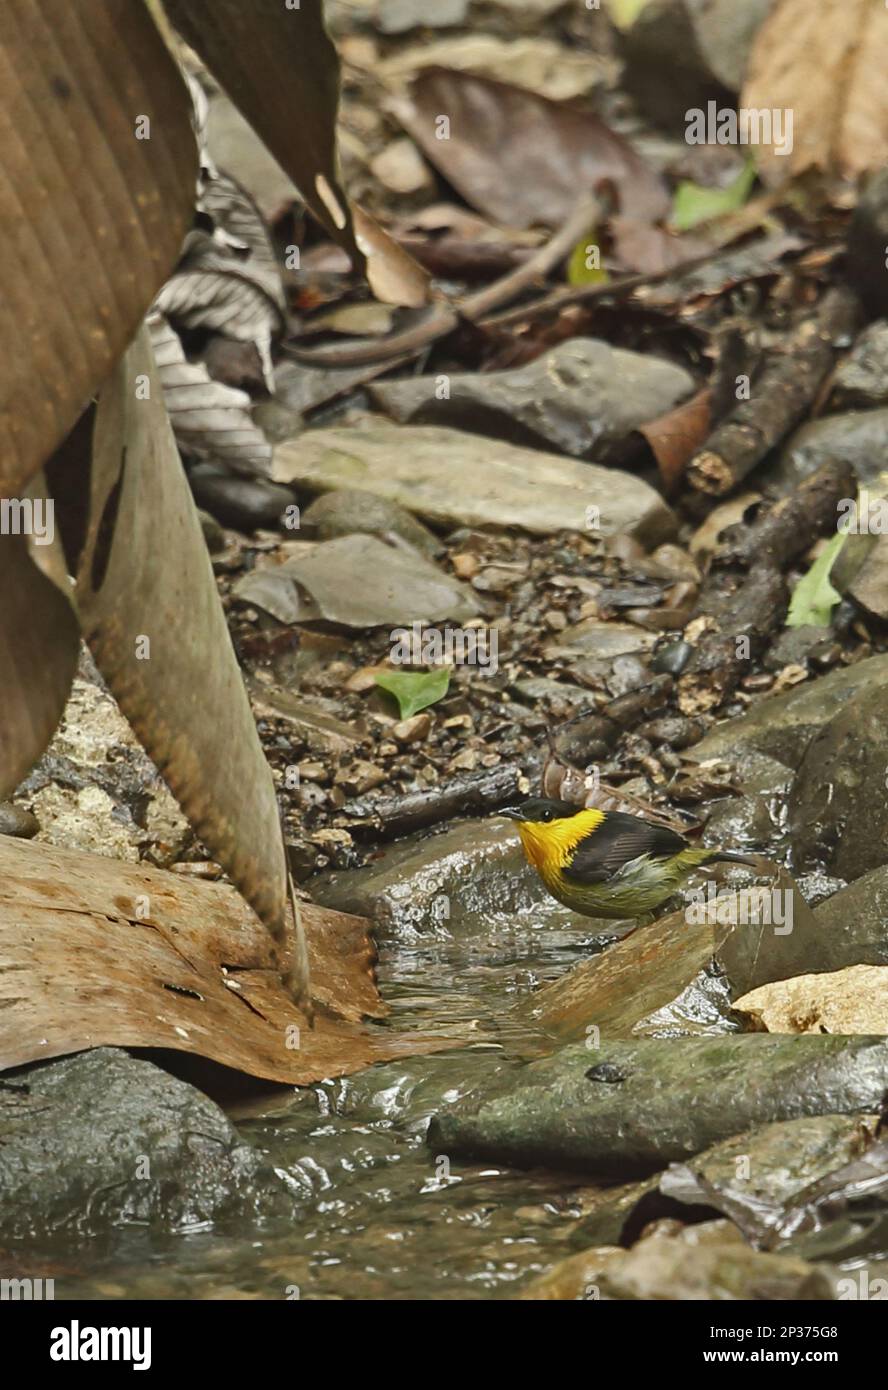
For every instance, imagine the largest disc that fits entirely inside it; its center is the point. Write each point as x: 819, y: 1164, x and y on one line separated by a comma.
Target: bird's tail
x: 728, y: 856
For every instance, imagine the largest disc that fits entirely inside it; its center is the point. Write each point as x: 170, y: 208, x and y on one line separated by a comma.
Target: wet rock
x: 838, y: 807
x: 706, y: 1262
x: 347, y: 513
x: 853, y: 1000
x: 100, y: 1139
x: 243, y: 503
x: 455, y: 479
x: 457, y: 881
x: 784, y: 725
x: 15, y: 820
x: 853, y: 921
x: 861, y: 381
x: 583, y: 399
x: 357, y: 581
x: 857, y: 437
x: 756, y: 1176
x: 678, y: 1097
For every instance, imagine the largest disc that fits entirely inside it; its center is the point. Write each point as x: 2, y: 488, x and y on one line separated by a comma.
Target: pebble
x: 414, y: 729
x: 16, y: 821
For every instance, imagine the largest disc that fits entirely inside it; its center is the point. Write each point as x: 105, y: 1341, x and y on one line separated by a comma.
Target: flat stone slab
x: 455, y: 479
x: 628, y: 1108
x: 583, y: 398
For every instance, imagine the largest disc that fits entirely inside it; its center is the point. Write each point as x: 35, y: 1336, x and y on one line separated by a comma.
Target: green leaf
x: 693, y: 204
x: 578, y: 270
x: 415, y: 690
x: 814, y: 598
x: 624, y: 13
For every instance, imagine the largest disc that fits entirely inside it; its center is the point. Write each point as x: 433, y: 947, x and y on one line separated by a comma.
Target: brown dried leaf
x: 519, y: 158
x: 676, y: 436
x: 93, y: 217
x: 279, y: 67
x: 145, y: 575
x: 96, y: 952
x: 825, y: 65
x: 39, y: 642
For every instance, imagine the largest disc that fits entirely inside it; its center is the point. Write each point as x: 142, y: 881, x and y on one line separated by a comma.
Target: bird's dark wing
x: 618, y: 839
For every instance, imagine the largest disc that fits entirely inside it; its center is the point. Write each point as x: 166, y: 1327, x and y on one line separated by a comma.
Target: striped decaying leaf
x: 152, y: 616
x: 210, y: 420
x: 97, y: 174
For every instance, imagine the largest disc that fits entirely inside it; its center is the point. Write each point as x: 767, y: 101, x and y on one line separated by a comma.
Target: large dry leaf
x: 824, y: 65
x: 145, y: 577
x: 39, y: 642
x: 96, y: 952
x: 210, y: 420
x: 278, y: 66
x: 92, y: 217
x: 519, y: 158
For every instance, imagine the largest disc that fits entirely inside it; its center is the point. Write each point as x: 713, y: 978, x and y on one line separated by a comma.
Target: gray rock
x: 838, y: 807
x: 783, y: 725
x: 100, y: 1139
x: 869, y: 586
x: 357, y: 581
x: 15, y: 820
x: 793, y: 646
x: 708, y: 1262
x: 348, y: 513
x: 459, y: 882
x: 754, y: 1177
x: 858, y: 437
x: 212, y: 532
x: 454, y: 479
x: 853, y: 921
x: 861, y: 381
x: 243, y: 503
x: 629, y: 1108
x: 583, y: 399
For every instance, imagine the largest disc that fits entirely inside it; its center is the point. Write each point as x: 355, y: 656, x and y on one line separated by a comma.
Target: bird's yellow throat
x: 548, y: 845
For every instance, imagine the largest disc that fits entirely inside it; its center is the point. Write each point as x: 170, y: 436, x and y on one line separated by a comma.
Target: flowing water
x: 376, y: 1214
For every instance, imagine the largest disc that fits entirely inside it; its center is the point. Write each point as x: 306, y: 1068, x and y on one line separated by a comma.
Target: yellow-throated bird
x: 607, y: 863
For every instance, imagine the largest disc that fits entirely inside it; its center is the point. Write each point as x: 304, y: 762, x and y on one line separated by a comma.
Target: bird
x: 607, y: 863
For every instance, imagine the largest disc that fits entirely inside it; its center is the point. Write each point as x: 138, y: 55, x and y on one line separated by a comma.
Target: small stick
x: 445, y: 316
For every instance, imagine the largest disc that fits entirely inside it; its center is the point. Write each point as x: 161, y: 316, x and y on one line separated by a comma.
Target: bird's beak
x: 511, y: 812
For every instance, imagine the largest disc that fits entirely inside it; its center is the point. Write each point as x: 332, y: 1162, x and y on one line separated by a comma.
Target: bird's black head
x: 539, y: 808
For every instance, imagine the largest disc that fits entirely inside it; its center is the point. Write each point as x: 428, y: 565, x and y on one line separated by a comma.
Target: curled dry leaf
x: 210, y: 420
x: 153, y: 619
x: 675, y: 437
x: 822, y: 67
x: 39, y: 641
x: 93, y: 216
x: 280, y: 69
x: 98, y: 952
x: 519, y: 158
